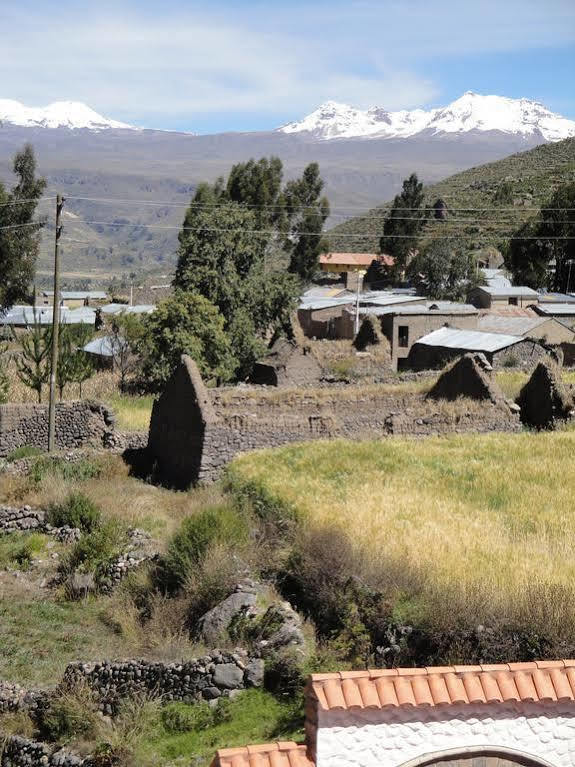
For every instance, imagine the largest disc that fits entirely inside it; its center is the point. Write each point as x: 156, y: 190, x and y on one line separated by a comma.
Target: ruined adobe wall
x: 195, y: 433
x: 78, y: 424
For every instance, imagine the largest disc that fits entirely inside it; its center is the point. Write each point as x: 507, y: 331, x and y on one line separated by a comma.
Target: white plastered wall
x: 392, y: 737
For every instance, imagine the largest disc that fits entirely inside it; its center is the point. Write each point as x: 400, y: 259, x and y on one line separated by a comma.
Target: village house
x: 489, y: 297
x: 75, y: 298
x: 562, y: 312
x: 352, y: 265
x: 441, y: 346
x: 490, y: 715
x: 334, y: 317
x: 530, y: 325
x: 403, y: 325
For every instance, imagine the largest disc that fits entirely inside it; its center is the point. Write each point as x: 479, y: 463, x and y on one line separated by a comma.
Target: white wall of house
x: 359, y: 738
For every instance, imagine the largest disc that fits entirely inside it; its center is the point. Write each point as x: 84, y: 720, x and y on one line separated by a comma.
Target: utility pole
x: 55, y: 328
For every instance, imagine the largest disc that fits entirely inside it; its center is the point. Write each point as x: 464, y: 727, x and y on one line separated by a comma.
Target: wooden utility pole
x: 55, y: 328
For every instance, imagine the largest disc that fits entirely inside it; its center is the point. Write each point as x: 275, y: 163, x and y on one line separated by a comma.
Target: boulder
x: 228, y: 676
x: 214, y: 624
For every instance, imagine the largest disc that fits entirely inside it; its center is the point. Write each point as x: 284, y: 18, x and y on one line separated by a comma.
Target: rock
x: 228, y: 676
x: 214, y: 624
x: 210, y: 693
x: 254, y: 673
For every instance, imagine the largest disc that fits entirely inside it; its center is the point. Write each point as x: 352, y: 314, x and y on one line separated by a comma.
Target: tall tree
x: 185, y: 323
x: 257, y: 185
x: 306, y: 214
x: 20, y: 242
x: 444, y: 271
x: 33, y: 364
x: 403, y: 224
x: 546, y: 239
x: 223, y: 259
x: 527, y: 256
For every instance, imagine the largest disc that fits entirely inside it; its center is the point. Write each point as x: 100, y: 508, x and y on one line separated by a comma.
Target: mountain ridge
x: 73, y: 115
x: 470, y: 112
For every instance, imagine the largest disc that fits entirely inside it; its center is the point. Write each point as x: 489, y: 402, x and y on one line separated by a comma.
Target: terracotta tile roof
x: 355, y: 259
x: 282, y: 754
x: 539, y: 681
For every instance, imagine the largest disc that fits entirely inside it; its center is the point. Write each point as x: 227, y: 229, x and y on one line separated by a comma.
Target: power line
x: 23, y: 202
x: 284, y: 206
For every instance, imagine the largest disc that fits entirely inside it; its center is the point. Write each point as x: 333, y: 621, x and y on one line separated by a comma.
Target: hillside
x: 487, y: 202
x: 142, y: 181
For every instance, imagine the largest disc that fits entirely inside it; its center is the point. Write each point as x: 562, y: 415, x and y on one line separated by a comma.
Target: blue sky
x: 246, y: 65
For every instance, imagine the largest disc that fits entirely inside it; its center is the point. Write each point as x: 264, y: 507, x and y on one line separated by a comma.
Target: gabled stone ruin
x: 369, y: 334
x: 545, y: 400
x: 469, y: 377
x: 287, y: 363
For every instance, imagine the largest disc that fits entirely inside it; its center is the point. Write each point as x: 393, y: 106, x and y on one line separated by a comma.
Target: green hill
x: 486, y: 203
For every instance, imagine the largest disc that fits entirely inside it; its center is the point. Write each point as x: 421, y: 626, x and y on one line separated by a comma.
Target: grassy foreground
x: 470, y: 525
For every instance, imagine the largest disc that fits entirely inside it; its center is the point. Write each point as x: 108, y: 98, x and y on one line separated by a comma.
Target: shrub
x: 181, y: 718
x: 69, y: 471
x: 26, y: 451
x: 76, y: 511
x: 197, y: 533
x: 20, y: 549
x: 95, y: 549
x: 73, y: 714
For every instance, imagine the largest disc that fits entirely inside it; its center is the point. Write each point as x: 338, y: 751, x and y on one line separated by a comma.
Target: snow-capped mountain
x: 471, y: 112
x: 60, y: 114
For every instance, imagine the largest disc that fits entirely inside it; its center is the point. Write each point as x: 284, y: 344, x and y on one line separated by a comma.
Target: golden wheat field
x: 479, y: 524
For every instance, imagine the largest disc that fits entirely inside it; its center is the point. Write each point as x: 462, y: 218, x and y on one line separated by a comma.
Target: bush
x: 69, y: 471
x: 26, y: 451
x: 95, y: 549
x: 76, y: 511
x: 197, y: 533
x: 179, y: 717
x: 72, y: 714
x: 20, y: 549
x: 510, y: 361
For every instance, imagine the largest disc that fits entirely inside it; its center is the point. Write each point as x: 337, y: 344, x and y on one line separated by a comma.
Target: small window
x: 403, y: 333
x: 512, y: 301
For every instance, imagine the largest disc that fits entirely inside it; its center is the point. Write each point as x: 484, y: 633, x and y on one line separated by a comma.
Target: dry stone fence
x: 78, y: 424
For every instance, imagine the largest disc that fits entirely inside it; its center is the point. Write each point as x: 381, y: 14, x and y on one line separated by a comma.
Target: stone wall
x: 195, y: 432
x: 78, y: 424
x: 207, y: 678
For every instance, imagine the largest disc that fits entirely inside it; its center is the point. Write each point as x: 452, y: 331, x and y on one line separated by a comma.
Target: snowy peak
x: 60, y: 114
x: 471, y: 112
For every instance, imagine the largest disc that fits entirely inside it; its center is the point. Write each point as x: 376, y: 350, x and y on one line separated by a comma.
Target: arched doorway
x: 480, y: 756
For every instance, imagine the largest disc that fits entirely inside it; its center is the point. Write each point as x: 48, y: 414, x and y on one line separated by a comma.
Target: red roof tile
x: 355, y: 259
x: 282, y: 754
x: 542, y: 681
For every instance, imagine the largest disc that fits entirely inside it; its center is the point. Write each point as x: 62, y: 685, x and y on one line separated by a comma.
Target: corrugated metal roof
x: 469, y: 340
x: 520, y: 290
x: 517, y: 326
x: 78, y: 294
x: 126, y: 309
x: 389, y: 300
x: 556, y: 298
x: 100, y: 346
x: 23, y: 316
x: 324, y: 303
x: 319, y: 292
x: 496, y: 278
x: 558, y: 309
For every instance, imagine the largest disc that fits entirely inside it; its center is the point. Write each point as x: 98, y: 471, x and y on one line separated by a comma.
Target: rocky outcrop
x: 214, y: 625
x: 545, y: 400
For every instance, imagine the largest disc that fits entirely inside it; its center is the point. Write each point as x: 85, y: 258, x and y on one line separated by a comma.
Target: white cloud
x: 127, y: 59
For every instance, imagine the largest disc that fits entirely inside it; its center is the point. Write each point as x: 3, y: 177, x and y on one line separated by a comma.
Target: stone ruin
x: 287, y: 364
x: 370, y: 334
x: 195, y: 432
x: 469, y: 377
x: 545, y: 400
